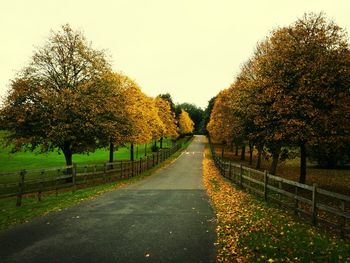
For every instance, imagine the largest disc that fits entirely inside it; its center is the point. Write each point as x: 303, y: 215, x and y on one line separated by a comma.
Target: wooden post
x: 296, y: 204
x: 85, y: 174
x: 343, y: 220
x: 20, y: 188
x: 229, y: 171
x: 314, y: 204
x: 56, y: 185
x: 140, y: 165
x: 265, y: 185
x: 105, y: 172
x: 74, y: 176
x: 131, y: 170
x: 241, y: 175
x: 233, y: 173
x: 41, y: 185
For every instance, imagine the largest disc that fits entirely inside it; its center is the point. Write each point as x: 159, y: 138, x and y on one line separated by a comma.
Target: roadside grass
x: 10, y: 215
x: 336, y: 180
x: 251, y: 230
x: 11, y: 162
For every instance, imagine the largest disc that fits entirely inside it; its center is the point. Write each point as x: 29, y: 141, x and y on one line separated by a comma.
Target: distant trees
x: 294, y: 92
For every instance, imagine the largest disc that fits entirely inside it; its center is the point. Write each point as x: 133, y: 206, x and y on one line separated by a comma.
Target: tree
x: 206, y: 114
x: 143, y: 115
x: 185, y: 123
x: 306, y: 69
x: 195, y: 113
x: 168, y: 119
x: 61, y: 99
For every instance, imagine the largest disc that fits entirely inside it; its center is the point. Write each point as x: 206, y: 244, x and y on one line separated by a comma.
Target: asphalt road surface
x: 163, y: 218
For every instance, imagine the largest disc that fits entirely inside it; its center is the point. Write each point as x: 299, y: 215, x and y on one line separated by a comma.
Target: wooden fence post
x: 314, y: 204
x: 74, y: 176
x: 265, y: 185
x: 296, y: 205
x: 20, y: 188
x: 56, y: 183
x: 241, y: 175
x: 230, y: 171
x: 343, y: 220
x: 105, y: 172
x: 41, y: 185
x: 140, y: 165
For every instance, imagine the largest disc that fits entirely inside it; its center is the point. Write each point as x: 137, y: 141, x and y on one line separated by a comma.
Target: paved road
x: 163, y: 218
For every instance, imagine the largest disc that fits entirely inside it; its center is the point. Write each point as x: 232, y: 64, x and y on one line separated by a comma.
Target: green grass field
x: 11, y: 162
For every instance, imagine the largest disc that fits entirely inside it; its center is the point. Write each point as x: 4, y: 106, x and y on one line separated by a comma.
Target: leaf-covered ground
x: 250, y: 230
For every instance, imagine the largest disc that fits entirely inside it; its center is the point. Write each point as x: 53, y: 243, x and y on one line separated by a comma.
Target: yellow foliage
x: 185, y: 122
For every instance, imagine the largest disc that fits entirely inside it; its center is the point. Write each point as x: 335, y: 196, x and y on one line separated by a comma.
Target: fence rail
x: 318, y: 206
x: 53, y: 179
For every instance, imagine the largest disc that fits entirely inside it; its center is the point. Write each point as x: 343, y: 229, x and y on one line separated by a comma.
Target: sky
x: 191, y: 49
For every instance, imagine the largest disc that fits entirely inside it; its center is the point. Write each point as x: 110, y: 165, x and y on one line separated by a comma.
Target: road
x: 163, y: 218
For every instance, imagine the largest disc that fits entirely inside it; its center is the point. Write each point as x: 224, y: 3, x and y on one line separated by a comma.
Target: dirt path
x: 164, y: 218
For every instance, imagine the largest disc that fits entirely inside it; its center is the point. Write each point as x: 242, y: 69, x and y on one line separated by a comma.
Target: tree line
x: 69, y: 98
x: 292, y: 97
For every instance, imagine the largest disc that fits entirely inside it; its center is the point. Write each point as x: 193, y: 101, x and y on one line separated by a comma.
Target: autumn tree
x: 195, y: 113
x: 305, y: 68
x: 167, y: 116
x: 61, y: 99
x: 224, y: 125
x: 206, y: 114
x: 185, y: 123
x: 143, y: 115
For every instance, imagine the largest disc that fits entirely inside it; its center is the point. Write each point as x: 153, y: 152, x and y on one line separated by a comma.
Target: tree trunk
x: 258, y: 163
x: 302, y: 178
x: 222, y: 150
x: 111, y: 152
x: 137, y: 151
x: 145, y: 149
x: 243, y: 152
x: 251, y: 149
x: 231, y: 146
x: 236, y: 150
x: 275, y: 157
x: 161, y: 143
x: 68, y: 155
x: 131, y: 151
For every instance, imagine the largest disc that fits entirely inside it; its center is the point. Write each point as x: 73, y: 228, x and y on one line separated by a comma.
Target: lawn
x: 10, y: 162
x: 251, y: 230
x: 336, y: 180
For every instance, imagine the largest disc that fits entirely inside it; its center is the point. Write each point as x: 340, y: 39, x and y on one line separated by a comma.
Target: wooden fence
x: 318, y: 206
x: 53, y: 179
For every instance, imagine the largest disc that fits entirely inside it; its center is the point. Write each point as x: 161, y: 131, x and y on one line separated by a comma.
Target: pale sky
x: 189, y: 48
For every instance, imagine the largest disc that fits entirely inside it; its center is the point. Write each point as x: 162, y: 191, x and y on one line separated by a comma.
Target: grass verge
x: 250, y: 230
x: 10, y: 215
